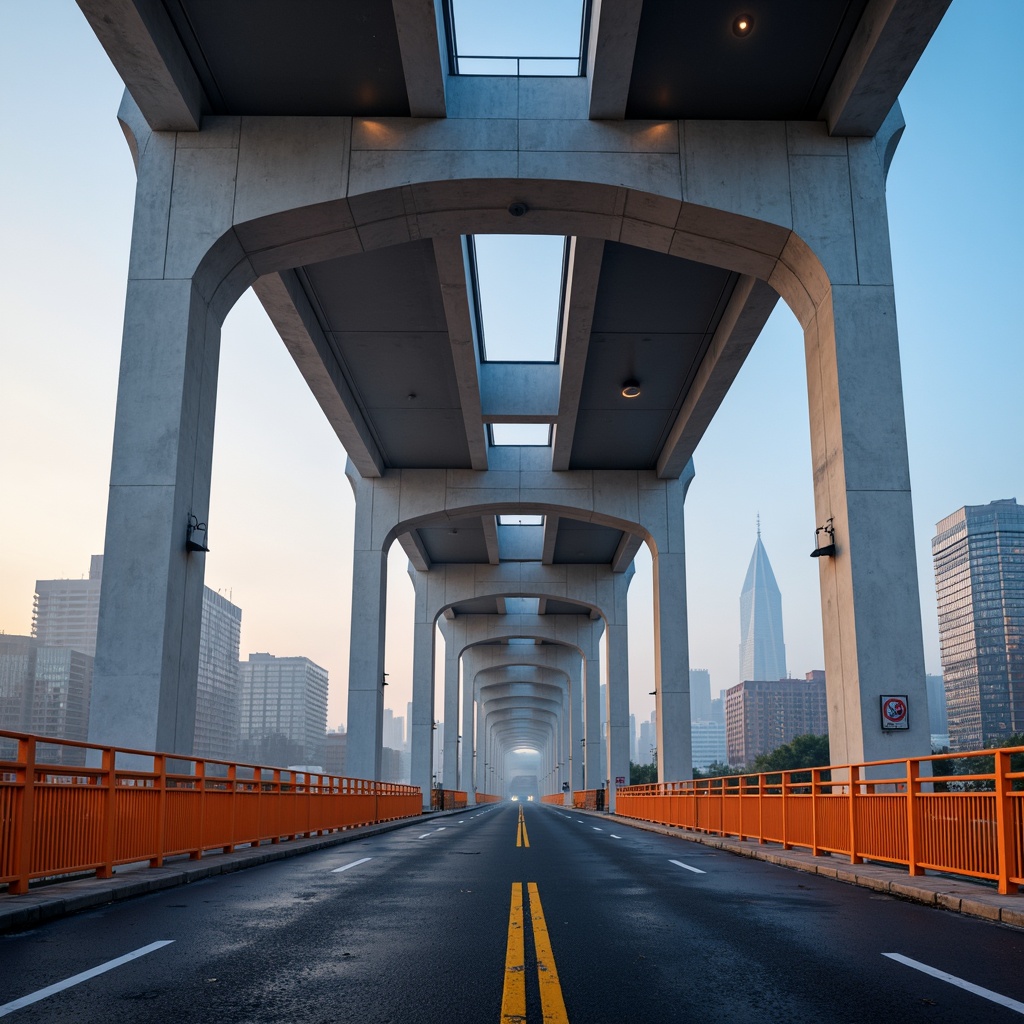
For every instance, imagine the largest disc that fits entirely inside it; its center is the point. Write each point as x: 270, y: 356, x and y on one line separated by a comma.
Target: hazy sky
x: 281, y: 511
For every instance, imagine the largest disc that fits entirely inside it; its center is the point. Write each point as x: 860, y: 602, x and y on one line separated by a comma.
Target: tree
x: 802, y: 752
x: 642, y: 774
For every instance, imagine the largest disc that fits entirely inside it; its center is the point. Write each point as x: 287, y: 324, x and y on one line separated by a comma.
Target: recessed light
x: 518, y: 209
x: 743, y: 25
x: 630, y: 389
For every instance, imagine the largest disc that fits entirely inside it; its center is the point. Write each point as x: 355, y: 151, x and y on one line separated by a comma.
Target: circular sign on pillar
x: 895, y: 711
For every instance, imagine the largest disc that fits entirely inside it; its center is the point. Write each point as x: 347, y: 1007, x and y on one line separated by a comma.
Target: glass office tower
x: 978, y: 553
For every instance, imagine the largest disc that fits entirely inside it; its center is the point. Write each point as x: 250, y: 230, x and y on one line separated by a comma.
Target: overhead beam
x: 421, y: 40
x: 887, y: 44
x: 614, y: 25
x: 291, y: 312
x: 144, y: 48
x: 414, y: 550
x: 490, y: 528
x: 451, y: 254
x: 547, y: 556
x: 745, y: 315
x: 584, y: 273
x: 626, y: 552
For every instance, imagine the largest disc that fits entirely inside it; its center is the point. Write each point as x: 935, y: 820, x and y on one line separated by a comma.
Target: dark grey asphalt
x: 418, y: 934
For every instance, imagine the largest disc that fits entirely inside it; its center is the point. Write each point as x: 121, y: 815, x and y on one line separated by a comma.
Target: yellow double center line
x: 513, y: 999
x: 522, y: 839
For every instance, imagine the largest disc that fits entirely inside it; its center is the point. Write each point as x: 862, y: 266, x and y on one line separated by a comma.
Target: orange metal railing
x: 553, y: 798
x: 119, y: 806
x: 448, y: 799
x: 487, y: 798
x: 913, y: 812
x: 588, y: 799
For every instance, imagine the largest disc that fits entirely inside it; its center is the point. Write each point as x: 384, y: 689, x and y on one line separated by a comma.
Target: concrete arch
x: 246, y: 199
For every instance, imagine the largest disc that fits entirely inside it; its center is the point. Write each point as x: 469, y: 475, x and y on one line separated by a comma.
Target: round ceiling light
x: 630, y: 389
x: 743, y: 25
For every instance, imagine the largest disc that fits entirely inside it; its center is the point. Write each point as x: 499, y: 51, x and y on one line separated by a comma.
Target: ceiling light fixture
x: 743, y: 25
x: 518, y: 209
x: 630, y: 389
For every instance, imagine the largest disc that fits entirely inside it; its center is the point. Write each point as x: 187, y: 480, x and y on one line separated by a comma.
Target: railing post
x: 783, y: 779
x: 742, y: 782
x: 109, y: 762
x: 275, y: 801
x: 199, y: 775
x: 913, y: 789
x: 854, y: 775
x: 233, y: 800
x: 23, y: 866
x: 160, y: 771
x: 760, y: 810
x: 1005, y: 838
x: 815, y: 781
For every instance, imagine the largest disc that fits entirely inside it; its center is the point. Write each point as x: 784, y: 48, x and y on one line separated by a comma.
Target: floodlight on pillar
x: 196, y: 537
x: 828, y: 549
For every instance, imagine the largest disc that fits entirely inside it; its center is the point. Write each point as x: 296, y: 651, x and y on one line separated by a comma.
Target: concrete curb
x: 956, y: 894
x: 48, y: 902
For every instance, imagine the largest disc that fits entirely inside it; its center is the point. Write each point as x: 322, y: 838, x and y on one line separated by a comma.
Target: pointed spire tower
x: 762, y: 650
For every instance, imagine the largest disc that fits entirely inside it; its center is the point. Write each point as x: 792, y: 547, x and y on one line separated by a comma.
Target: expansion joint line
x: 513, y: 999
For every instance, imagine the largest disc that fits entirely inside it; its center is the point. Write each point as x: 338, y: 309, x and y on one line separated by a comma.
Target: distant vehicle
x: 524, y: 787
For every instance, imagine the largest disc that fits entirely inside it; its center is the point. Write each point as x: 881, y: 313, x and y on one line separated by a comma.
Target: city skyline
x: 281, y: 512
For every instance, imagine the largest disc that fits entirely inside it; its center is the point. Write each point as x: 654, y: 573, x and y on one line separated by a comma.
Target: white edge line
x: 441, y: 829
x: 354, y: 864
x: 985, y: 993
x: 50, y: 990
x: 696, y: 871
x: 596, y: 829
x: 425, y: 834
x: 614, y: 836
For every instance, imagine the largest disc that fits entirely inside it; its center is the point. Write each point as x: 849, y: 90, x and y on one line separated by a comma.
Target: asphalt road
x: 422, y: 925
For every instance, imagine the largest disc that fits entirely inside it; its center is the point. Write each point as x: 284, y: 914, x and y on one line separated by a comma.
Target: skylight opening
x: 545, y: 38
x: 520, y: 285
x: 536, y: 435
x: 515, y: 519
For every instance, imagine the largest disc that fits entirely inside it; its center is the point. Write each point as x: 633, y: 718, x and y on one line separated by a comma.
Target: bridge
x: 700, y: 164
x: 698, y: 172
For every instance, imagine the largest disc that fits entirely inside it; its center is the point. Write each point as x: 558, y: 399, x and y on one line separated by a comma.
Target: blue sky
x: 280, y: 519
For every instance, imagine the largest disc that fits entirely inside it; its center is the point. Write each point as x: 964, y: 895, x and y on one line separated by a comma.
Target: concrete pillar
x: 468, y: 739
x: 591, y: 745
x: 421, y: 728
x: 451, y: 711
x: 871, y: 614
x: 617, y: 648
x: 147, y: 650
x: 366, y: 639
x: 575, y: 772
x: 671, y: 640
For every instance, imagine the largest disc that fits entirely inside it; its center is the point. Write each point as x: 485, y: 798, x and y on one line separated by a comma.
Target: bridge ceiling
x: 303, y: 57
x: 689, y: 62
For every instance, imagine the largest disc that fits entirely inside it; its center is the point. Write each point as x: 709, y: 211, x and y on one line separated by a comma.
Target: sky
x: 281, y: 511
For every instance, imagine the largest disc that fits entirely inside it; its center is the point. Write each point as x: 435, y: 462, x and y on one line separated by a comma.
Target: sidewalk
x: 48, y: 902
x: 960, y: 895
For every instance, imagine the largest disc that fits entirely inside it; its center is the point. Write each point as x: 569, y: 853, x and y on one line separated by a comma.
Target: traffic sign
x: 895, y: 711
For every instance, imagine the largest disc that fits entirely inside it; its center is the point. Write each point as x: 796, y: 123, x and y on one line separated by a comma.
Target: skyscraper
x: 978, y: 553
x: 65, y: 612
x: 284, y: 710
x: 700, y: 695
x: 762, y: 651
x: 45, y: 690
x: 217, y: 706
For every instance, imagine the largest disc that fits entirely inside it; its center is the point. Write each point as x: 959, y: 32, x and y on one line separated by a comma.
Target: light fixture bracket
x: 828, y: 549
x: 196, y: 537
